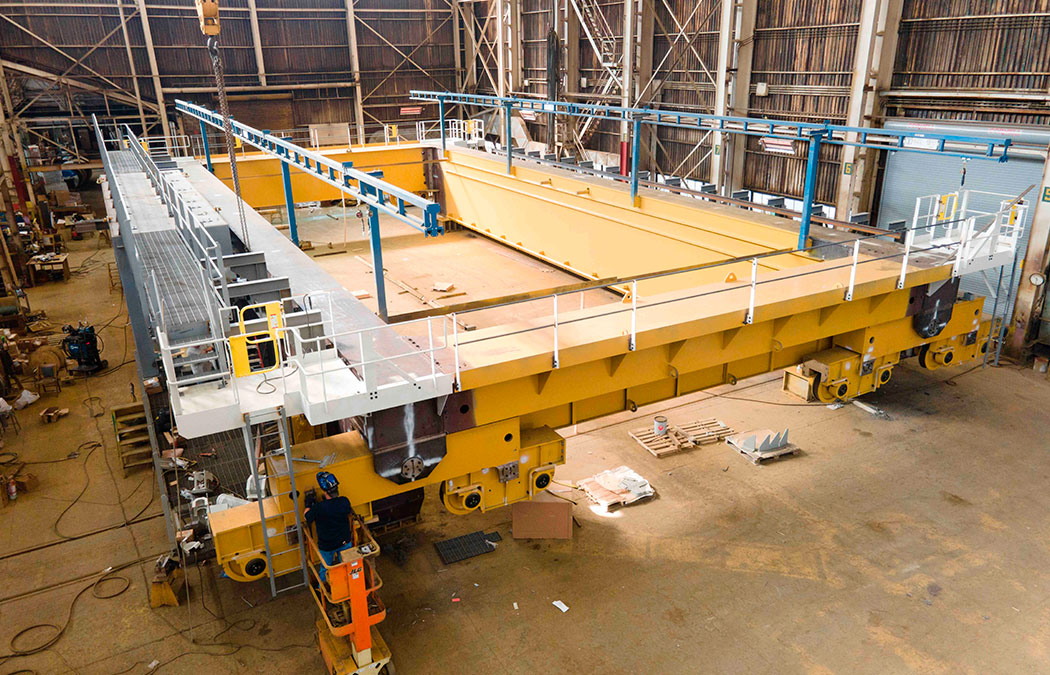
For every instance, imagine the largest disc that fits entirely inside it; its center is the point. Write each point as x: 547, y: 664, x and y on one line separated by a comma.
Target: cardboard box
x: 545, y: 517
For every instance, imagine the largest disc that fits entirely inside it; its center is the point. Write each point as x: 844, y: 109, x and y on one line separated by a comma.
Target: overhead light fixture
x: 779, y: 146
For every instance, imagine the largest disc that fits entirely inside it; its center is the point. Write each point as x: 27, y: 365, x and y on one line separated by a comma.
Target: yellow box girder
x: 588, y: 226
x: 262, y: 186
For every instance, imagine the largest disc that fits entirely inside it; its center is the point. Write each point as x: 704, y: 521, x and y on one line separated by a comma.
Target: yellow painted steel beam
x: 260, y: 174
x: 588, y: 226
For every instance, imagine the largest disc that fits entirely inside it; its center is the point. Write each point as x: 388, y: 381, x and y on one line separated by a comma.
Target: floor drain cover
x: 467, y: 546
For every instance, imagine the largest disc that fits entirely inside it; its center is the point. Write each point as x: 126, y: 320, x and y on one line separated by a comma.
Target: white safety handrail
x: 196, y: 237
x: 967, y: 243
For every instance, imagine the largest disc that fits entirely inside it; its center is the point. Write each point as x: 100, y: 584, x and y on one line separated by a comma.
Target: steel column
x: 131, y: 67
x: 509, y: 141
x: 355, y: 66
x: 636, y: 132
x: 289, y: 202
x: 158, y: 89
x: 1024, y: 314
x: 207, y: 149
x: 441, y: 122
x: 812, y: 164
x: 253, y: 16
x: 376, y: 244
x: 872, y: 73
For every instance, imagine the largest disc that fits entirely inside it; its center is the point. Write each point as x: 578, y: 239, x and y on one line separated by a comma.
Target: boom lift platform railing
x: 809, y: 132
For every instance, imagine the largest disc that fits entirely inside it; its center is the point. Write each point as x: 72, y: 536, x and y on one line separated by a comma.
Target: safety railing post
x: 1009, y: 306
x: 750, y: 318
x: 812, y: 165
x: 853, y: 270
x: 376, y: 245
x: 430, y: 342
x: 455, y: 344
x: 908, y: 238
x: 556, y: 330
x: 207, y: 149
x: 633, y: 344
x: 995, y: 312
x: 289, y: 202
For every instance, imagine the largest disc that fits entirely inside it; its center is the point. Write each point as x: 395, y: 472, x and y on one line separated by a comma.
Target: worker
x: 331, y: 515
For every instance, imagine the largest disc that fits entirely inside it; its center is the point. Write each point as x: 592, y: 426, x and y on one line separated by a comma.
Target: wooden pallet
x: 681, y: 438
x: 132, y: 430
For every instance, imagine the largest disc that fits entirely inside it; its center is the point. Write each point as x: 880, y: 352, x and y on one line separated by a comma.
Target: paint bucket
x: 660, y: 425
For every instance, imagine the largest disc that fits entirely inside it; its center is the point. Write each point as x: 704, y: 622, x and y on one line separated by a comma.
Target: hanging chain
x: 227, y: 127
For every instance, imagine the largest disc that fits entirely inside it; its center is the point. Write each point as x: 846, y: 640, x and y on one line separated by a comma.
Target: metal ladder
x: 270, y: 431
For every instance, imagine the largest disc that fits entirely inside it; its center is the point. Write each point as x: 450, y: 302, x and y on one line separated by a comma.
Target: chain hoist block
x: 208, y: 13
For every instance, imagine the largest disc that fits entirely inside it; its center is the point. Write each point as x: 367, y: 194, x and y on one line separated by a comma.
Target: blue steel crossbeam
x: 366, y: 187
x: 810, y: 132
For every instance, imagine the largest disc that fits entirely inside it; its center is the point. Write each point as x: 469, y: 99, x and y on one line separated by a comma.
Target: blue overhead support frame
x: 368, y: 188
x: 812, y: 133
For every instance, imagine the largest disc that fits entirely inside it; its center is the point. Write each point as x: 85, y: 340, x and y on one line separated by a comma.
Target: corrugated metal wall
x: 956, y: 59
x: 804, y: 53
x: 683, y: 70
x: 966, y: 46
x: 302, y: 45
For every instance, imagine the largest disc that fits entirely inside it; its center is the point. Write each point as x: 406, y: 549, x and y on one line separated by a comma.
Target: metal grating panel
x: 179, y: 283
x: 467, y: 546
x: 123, y: 161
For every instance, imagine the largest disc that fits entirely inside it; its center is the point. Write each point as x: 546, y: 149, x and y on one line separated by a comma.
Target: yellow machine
x: 837, y: 327
x: 208, y: 14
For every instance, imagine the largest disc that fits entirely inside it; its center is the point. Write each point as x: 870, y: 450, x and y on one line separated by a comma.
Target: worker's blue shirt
x: 332, y: 518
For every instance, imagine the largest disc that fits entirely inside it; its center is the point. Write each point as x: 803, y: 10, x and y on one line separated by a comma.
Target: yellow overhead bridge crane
x: 717, y: 294
x: 838, y: 324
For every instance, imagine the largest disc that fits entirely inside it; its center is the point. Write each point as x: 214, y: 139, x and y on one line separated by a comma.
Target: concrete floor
x: 916, y: 543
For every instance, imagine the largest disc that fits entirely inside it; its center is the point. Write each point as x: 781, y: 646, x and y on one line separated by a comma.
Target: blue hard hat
x: 327, y: 481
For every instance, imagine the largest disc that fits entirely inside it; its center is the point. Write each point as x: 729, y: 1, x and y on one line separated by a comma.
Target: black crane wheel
x: 255, y: 567
x: 472, y: 501
x: 543, y: 480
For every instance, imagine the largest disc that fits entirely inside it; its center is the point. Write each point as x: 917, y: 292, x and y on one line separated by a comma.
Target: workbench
x: 38, y: 265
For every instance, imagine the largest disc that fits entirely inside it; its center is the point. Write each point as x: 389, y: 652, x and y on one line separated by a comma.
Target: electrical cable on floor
x: 14, y: 459
x: 109, y: 575
x: 93, y: 445
x: 273, y: 387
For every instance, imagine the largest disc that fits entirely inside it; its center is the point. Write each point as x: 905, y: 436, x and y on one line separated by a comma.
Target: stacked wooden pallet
x: 132, y: 430
x: 680, y: 438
